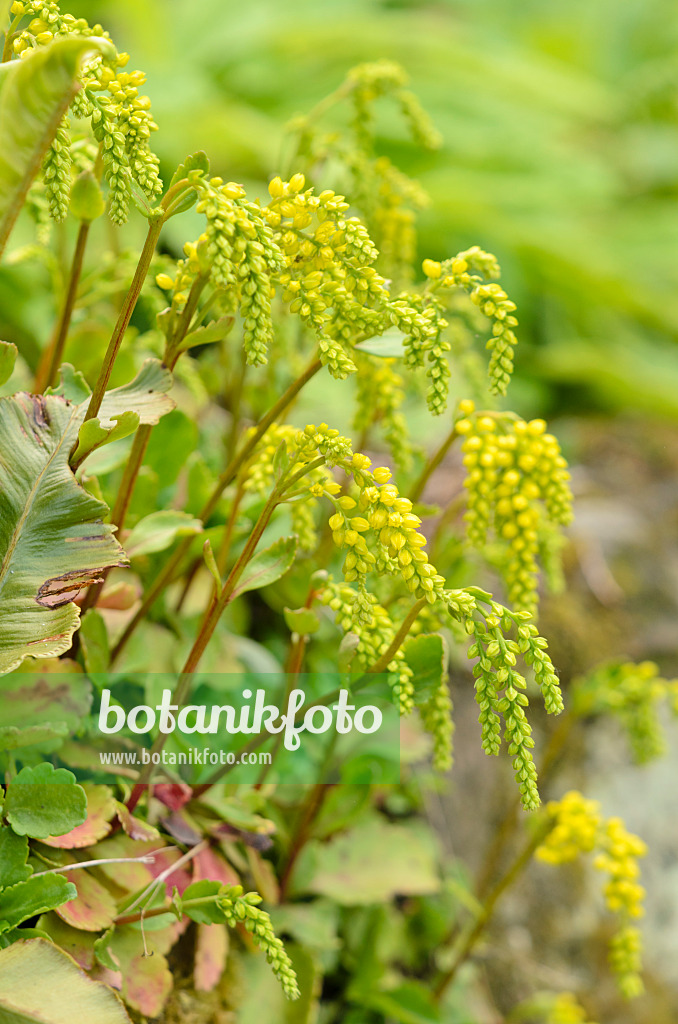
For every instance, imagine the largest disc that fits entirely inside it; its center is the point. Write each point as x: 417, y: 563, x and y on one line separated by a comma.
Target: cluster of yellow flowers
x: 580, y: 828
x: 516, y: 478
x: 632, y: 693
x: 362, y: 615
x: 328, y: 280
x: 121, y: 117
x: 380, y: 535
x: 566, y: 1010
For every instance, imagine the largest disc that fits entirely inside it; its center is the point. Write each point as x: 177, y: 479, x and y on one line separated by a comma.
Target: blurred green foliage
x: 561, y: 151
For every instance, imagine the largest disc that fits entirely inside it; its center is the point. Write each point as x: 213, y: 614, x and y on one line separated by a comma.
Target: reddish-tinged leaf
x: 100, y: 810
x: 211, y: 865
x: 146, y: 980
x: 180, y: 879
x: 265, y: 880
x: 173, y: 794
x: 211, y: 950
x: 135, y: 827
x: 94, y: 908
x: 120, y: 596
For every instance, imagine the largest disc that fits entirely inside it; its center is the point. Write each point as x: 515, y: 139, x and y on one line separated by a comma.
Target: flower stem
x: 432, y: 464
x: 473, y: 933
x: 398, y: 640
x: 167, y: 574
x: 125, y: 316
x: 46, y: 375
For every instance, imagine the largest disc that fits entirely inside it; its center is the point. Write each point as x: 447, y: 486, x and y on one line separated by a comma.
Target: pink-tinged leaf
x: 94, y: 907
x: 264, y: 876
x: 211, y: 951
x: 78, y: 944
x: 179, y: 879
x: 211, y: 865
x: 173, y: 794
x: 100, y: 810
x: 146, y: 980
x: 135, y: 827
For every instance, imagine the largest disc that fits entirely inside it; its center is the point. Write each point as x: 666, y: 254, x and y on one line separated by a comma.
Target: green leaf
x: 35, y: 94
x: 13, y: 738
x: 303, y: 621
x: 140, y: 199
x: 45, y: 801
x: 53, y: 540
x: 94, y: 642
x: 268, y: 566
x: 92, y: 435
x: 13, y: 857
x: 410, y: 1003
x: 427, y: 656
x: 101, y: 808
x: 159, y: 530
x: 390, y: 345
x: 371, y: 863
x: 198, y: 161
x: 29, y: 699
x: 35, y: 896
x: 204, y: 913
x: 8, y: 354
x: 72, y: 385
x: 216, y: 331
x: 40, y: 984
x: 211, y: 563
x: 146, y: 395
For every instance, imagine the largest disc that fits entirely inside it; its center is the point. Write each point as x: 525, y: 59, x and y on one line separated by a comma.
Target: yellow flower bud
x: 164, y: 281
x: 297, y: 182
x: 276, y: 188
x: 432, y: 268
x: 382, y: 475
x: 467, y: 406
x: 459, y: 266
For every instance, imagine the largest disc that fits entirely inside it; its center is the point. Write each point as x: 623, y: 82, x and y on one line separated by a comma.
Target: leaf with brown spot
x: 53, y: 539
